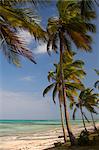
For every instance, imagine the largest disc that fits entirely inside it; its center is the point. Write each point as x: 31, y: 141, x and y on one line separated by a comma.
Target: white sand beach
x: 37, y: 141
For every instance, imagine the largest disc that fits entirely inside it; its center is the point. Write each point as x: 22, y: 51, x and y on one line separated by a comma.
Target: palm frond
x: 86, y: 117
x: 48, y: 89
x: 96, y: 85
x: 74, y: 113
x: 14, y: 46
x: 52, y: 34
x: 82, y: 41
x: 54, y: 93
x: 89, y: 99
x: 51, y: 75
x: 97, y: 71
x: 91, y: 27
x: 78, y: 63
x: 74, y: 85
x: 70, y: 94
x: 26, y: 2
x: 86, y: 5
x: 19, y: 19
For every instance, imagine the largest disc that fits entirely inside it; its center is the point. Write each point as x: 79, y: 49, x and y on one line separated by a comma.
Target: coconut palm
x: 13, y: 18
x: 69, y: 26
x: 73, y: 73
x: 56, y: 90
x: 89, y: 100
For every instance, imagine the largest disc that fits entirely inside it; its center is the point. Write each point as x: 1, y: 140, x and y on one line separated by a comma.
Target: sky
x: 21, y: 88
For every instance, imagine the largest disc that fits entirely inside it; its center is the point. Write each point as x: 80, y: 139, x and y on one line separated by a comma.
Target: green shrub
x: 83, y: 138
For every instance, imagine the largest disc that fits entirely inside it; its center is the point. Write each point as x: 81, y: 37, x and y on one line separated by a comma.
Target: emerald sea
x: 14, y: 127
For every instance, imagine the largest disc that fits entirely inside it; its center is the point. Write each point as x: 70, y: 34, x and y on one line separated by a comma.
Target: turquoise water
x: 16, y: 127
x: 37, y: 122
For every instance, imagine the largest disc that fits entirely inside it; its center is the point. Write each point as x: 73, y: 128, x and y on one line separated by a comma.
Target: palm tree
x: 68, y: 27
x: 83, y: 115
x: 56, y: 90
x: 13, y: 18
x: 73, y: 72
x: 89, y: 100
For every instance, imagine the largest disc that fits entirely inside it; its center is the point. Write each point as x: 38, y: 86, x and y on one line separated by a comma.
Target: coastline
x: 37, y: 141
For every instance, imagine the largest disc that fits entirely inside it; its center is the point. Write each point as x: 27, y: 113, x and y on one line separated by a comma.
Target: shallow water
x: 16, y: 127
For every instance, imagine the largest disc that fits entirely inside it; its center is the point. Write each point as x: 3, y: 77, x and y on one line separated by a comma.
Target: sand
x: 38, y: 141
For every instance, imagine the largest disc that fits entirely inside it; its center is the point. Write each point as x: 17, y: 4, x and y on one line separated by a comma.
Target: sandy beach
x: 37, y: 141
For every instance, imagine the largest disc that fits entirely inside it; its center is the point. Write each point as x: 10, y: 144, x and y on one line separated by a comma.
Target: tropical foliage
x: 73, y: 73
x: 74, y: 28
x: 89, y: 100
x: 13, y: 18
x: 69, y: 27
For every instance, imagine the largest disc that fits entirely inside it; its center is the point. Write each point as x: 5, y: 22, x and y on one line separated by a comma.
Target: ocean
x: 33, y: 134
x: 19, y: 127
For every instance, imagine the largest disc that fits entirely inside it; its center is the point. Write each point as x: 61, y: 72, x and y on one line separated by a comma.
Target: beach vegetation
x: 89, y: 100
x: 12, y: 20
x: 73, y: 73
x: 70, y: 26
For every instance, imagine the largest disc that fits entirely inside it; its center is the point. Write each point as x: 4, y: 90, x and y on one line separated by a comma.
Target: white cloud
x: 40, y: 49
x: 27, y: 78
x: 25, y: 36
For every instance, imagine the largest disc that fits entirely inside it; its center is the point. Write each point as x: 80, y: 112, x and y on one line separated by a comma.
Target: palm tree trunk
x: 62, y: 119
x: 93, y: 122
x: 71, y: 136
x: 83, y: 118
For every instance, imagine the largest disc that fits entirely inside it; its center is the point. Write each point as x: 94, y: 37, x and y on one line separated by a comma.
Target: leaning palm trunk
x: 62, y: 119
x: 93, y: 122
x: 71, y: 136
x: 83, y: 118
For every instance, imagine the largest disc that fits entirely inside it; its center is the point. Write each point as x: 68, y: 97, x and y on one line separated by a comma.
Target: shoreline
x: 37, y: 141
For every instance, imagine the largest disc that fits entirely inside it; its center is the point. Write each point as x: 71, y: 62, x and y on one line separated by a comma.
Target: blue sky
x: 21, y: 88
